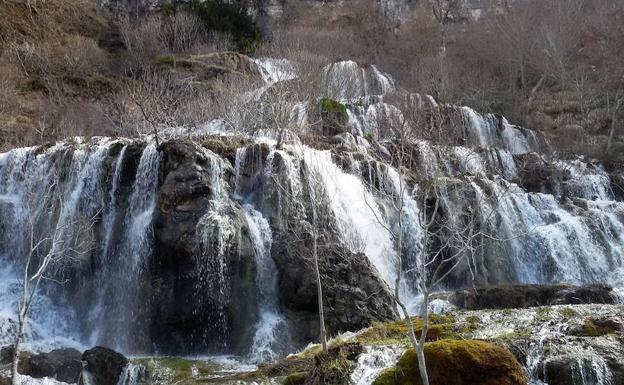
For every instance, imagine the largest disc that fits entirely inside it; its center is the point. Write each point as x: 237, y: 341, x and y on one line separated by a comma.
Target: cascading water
x: 570, y: 231
x: 373, y: 361
x: 124, y: 266
x: 264, y: 346
x: 215, y: 231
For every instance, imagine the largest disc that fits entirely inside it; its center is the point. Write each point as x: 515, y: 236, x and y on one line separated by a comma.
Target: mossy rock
x: 457, y: 362
x: 596, y: 327
x: 334, y: 116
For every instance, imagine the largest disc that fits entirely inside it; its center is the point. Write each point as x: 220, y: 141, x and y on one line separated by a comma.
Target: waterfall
x: 275, y: 70
x: 132, y: 374
x: 265, y: 338
x: 347, y: 81
x: 359, y: 220
x: 215, y: 231
x: 373, y: 361
x: 125, y: 264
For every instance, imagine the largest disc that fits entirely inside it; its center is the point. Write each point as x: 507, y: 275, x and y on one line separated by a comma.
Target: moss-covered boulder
x: 334, y: 116
x: 457, y: 362
x: 596, y: 327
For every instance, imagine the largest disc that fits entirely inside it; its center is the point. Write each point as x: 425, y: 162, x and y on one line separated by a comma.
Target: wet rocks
x: 354, y: 294
x: 596, y: 327
x: 62, y: 364
x: 104, y: 365
x: 203, y: 255
x: 522, y: 296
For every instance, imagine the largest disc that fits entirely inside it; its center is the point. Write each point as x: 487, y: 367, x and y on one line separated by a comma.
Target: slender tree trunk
x: 416, y: 344
x: 319, y: 287
x: 442, y: 58
x: 420, y: 350
x: 18, y: 341
x: 614, y: 123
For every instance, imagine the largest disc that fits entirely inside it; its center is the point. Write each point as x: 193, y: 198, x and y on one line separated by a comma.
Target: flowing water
x: 105, y: 192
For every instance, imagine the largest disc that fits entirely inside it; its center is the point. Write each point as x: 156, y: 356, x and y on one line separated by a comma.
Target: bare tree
x: 52, y: 247
x: 445, y: 12
x: 449, y: 235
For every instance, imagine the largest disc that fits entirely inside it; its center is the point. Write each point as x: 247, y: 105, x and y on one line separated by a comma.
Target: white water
x: 132, y: 374
x: 373, y: 361
x: 360, y: 223
x: 266, y: 335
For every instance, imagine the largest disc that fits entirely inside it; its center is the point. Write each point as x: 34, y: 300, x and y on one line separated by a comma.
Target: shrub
x: 76, y: 56
x: 230, y: 18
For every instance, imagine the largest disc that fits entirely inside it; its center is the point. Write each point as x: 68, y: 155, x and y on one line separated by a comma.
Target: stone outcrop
x: 522, y: 296
x: 104, y: 365
x: 354, y: 295
x: 62, y: 364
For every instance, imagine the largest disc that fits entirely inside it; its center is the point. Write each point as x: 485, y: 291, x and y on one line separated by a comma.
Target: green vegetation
x: 594, y: 327
x: 334, y: 116
x: 172, y: 61
x: 567, y: 313
x: 315, y: 367
x: 543, y: 314
x: 231, y: 18
x: 457, y: 362
x: 383, y: 333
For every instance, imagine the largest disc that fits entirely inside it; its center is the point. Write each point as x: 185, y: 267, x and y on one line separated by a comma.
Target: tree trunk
x: 319, y: 289
x: 613, y: 124
x: 16, y: 352
x: 420, y: 351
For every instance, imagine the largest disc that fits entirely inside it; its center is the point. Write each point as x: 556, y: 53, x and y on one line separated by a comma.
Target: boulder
x: 603, y: 364
x: 596, y: 327
x: 61, y: 364
x: 6, y: 358
x: 457, y: 362
x: 522, y: 296
x: 354, y: 294
x: 104, y: 365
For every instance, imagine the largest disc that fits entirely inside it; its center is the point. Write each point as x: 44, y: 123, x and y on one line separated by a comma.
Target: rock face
x: 198, y: 230
x: 457, y: 362
x: 522, y: 296
x: 62, y: 364
x: 104, y: 365
x: 354, y: 296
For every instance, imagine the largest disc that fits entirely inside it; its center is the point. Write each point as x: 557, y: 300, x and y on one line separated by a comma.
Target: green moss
x: 508, y: 338
x: 297, y: 378
x: 172, y: 61
x: 177, y: 370
x: 567, y: 313
x: 593, y: 327
x: 543, y: 314
x: 383, y: 333
x: 457, y: 362
x: 334, y: 116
